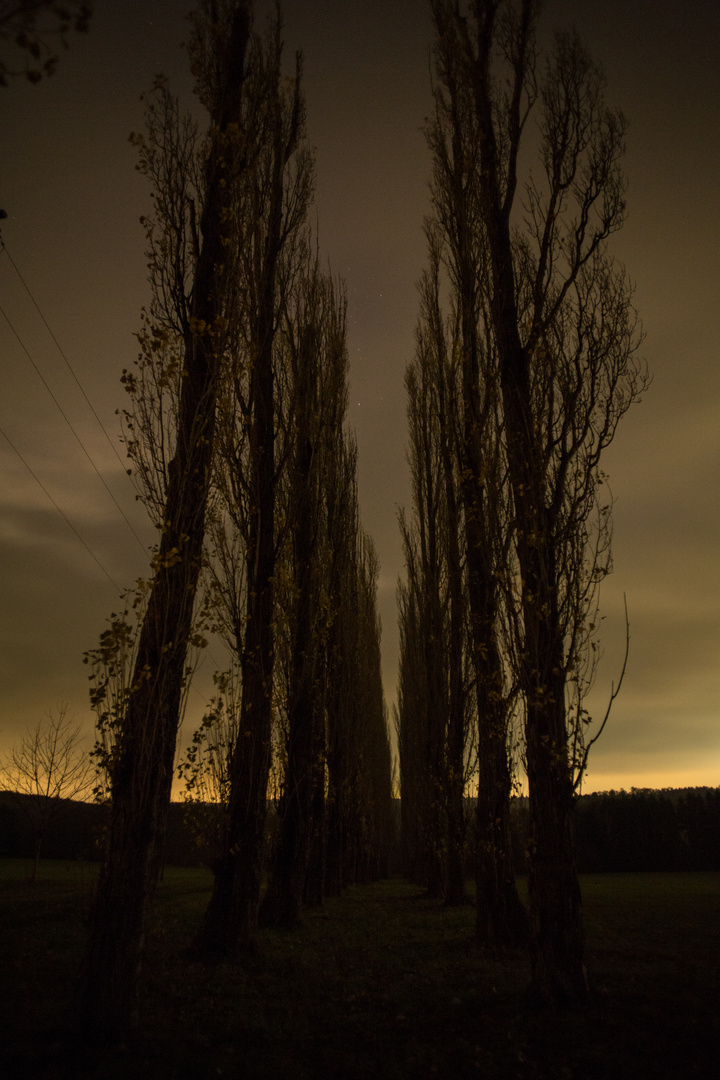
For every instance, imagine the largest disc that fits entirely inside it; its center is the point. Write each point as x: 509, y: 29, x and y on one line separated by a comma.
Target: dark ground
x: 382, y: 983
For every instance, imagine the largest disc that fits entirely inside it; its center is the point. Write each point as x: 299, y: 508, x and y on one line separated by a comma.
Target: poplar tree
x: 183, y: 344
x: 434, y: 703
x: 315, y: 341
x: 270, y: 221
x: 560, y: 350
x: 457, y: 244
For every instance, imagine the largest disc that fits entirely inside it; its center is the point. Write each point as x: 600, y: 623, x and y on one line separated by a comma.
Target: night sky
x: 73, y: 198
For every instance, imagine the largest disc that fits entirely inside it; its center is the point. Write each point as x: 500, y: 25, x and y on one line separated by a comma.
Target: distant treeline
x: 77, y: 830
x: 637, y: 830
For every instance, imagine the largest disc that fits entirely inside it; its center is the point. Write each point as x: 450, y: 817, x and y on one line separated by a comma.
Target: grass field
x: 381, y: 983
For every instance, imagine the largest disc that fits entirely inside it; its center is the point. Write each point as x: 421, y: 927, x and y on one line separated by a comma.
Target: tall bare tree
x: 434, y: 706
x: 457, y: 243
x: 359, y: 824
x: 558, y: 323
x: 368, y: 770
x: 424, y: 701
x: 471, y: 463
x: 183, y: 342
x: 270, y: 225
x: 316, y: 404
x: 343, y: 525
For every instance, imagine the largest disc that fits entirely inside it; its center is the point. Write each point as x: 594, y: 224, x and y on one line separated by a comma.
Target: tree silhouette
x: 270, y: 221
x: 435, y: 711
x: 316, y: 403
x: 560, y: 341
x: 183, y: 343
x: 49, y: 764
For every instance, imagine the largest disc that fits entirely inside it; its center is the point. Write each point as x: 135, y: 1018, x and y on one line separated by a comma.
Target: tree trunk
x: 283, y: 902
x: 231, y: 917
x: 337, y: 771
x: 230, y: 920
x: 500, y: 916
x: 555, y: 902
x: 456, y: 719
x: 342, y: 528
x: 314, y: 893
x: 499, y: 911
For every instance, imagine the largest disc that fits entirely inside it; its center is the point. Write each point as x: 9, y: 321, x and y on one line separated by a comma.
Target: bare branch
x: 614, y: 692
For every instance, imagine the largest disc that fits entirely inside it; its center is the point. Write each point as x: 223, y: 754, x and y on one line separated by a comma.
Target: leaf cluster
x: 32, y: 28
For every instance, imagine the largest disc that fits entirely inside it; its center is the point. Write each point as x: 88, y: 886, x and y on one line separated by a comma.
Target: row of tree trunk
x: 236, y: 433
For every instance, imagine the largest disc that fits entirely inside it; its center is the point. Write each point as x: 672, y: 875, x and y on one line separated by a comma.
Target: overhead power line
x: 59, y: 348
x: 61, y: 512
x: 79, y: 441
x: 3, y: 247
x: 57, y: 403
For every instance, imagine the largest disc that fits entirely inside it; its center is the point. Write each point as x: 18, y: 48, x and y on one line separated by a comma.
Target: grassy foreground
x: 381, y: 983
